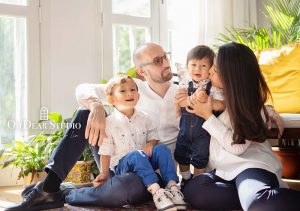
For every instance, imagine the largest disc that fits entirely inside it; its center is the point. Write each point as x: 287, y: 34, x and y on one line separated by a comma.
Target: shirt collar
x: 118, y: 115
x: 201, y: 83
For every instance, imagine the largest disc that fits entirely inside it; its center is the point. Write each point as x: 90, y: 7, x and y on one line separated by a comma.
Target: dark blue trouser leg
x: 257, y: 189
x: 209, y: 192
x: 70, y: 148
x: 118, y: 191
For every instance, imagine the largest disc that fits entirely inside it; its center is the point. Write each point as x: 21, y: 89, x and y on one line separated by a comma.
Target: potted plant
x: 31, y: 155
x: 288, y: 152
x: 84, y: 168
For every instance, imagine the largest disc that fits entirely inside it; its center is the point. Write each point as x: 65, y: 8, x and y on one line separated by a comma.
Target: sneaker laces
x: 166, y: 192
x: 175, y: 191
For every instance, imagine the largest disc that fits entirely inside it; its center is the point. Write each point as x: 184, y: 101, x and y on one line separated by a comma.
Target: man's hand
x: 95, y: 128
x: 100, y: 179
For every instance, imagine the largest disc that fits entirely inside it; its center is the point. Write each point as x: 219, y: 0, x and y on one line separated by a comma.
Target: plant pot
x: 290, y: 160
x: 38, y: 176
x: 80, y: 173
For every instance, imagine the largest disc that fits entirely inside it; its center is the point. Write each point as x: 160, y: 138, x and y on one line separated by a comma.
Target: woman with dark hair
x: 246, y: 174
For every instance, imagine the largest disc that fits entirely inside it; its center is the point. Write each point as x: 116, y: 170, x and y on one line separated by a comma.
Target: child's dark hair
x: 200, y: 52
x: 116, y: 80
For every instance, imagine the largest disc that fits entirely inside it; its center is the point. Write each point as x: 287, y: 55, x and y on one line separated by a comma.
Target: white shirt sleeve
x: 86, y: 91
x: 107, y: 147
x: 217, y: 94
x: 223, y: 135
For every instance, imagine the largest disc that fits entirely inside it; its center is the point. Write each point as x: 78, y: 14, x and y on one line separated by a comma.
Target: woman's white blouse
x: 229, y: 160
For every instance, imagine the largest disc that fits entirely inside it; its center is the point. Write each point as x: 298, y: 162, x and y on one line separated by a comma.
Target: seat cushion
x: 281, y: 68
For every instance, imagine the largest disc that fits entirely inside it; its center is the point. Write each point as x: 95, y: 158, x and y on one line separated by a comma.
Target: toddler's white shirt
x: 216, y: 93
x: 126, y: 135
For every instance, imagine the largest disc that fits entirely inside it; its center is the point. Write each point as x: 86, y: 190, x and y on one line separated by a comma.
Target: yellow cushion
x: 281, y: 68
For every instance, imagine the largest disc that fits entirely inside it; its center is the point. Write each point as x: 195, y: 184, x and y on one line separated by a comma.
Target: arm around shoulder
x: 88, y: 93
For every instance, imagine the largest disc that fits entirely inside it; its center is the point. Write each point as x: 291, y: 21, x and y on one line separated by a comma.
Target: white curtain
x: 221, y: 14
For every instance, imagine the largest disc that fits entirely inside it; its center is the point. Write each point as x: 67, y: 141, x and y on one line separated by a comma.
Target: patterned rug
x: 149, y: 206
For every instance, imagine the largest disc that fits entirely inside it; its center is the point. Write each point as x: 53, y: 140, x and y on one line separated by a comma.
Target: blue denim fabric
x: 139, y: 163
x: 192, y: 146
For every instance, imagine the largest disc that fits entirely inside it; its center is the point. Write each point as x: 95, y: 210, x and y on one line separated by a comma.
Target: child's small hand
x: 201, y: 95
x: 100, y: 179
x: 147, y: 148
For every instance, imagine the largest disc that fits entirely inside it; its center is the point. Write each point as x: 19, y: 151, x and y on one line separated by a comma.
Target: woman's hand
x: 202, y: 109
x: 201, y: 95
x: 275, y: 119
x: 180, y: 96
x: 100, y: 179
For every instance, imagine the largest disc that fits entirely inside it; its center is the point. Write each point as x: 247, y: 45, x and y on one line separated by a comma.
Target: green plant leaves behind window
x: 283, y: 17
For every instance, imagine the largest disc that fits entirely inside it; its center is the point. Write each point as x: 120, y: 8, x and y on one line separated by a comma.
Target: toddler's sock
x: 186, y: 175
x: 153, y: 188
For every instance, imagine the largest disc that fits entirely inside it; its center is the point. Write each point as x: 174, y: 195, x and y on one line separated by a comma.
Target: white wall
x: 70, y: 50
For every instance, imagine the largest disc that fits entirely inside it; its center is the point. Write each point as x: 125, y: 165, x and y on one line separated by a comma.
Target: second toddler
x: 192, y: 146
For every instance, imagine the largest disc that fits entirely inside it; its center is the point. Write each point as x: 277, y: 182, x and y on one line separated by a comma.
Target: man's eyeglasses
x: 158, y: 61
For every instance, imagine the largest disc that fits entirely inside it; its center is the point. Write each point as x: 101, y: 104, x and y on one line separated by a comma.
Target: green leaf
x: 40, y: 138
x: 131, y: 72
x: 284, y: 21
x: 55, y: 117
x: 103, y: 81
x: 2, y: 152
x: 9, y: 161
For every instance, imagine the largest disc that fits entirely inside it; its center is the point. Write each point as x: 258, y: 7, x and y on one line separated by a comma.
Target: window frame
x: 31, y: 12
x: 109, y: 19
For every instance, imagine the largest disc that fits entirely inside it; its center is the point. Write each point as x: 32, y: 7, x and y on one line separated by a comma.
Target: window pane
x: 139, y: 8
x: 125, y: 39
x: 179, y: 13
x: 15, y: 2
x: 13, y: 59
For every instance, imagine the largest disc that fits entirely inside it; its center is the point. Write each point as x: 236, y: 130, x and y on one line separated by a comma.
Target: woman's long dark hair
x: 245, y: 92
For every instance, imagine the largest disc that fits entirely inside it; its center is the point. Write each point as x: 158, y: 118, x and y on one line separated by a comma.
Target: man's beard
x: 166, y: 74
